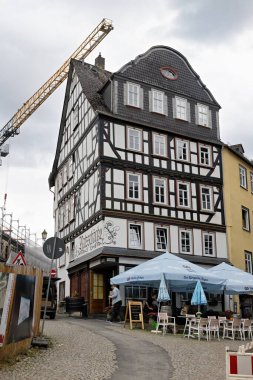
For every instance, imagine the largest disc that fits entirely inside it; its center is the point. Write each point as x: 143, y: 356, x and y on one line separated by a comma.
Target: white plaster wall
x: 221, y: 244
x: 197, y: 243
x: 174, y: 239
x: 149, y: 236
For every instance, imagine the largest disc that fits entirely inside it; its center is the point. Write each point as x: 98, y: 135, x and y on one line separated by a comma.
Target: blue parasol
x: 163, y: 294
x: 198, y: 297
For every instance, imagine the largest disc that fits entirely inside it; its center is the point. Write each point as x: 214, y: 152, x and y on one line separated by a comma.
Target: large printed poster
x: 6, y: 286
x: 22, y: 315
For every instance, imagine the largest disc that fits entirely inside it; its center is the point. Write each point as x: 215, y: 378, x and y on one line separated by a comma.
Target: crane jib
x: 95, y: 37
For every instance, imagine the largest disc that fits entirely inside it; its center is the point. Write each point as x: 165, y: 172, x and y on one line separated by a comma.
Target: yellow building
x: 238, y: 202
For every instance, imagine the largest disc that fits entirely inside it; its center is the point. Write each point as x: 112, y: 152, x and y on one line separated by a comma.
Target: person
x: 185, y: 309
x: 154, y: 303
x: 116, y: 303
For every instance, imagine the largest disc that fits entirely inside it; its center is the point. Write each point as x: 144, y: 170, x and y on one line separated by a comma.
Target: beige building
x: 238, y: 201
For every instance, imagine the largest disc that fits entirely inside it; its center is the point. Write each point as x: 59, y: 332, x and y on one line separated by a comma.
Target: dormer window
x: 133, y: 95
x: 203, y: 116
x: 158, y: 102
x: 181, y: 109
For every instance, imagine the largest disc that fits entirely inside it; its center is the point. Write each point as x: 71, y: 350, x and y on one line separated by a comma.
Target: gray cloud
x: 212, y: 21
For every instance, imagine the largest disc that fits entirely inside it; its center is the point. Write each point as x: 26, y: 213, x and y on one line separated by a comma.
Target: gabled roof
x: 146, y: 68
x: 92, y: 79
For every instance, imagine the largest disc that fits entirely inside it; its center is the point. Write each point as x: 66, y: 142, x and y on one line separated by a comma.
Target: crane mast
x: 94, y: 38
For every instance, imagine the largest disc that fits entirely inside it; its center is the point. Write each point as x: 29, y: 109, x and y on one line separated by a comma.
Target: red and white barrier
x: 239, y: 365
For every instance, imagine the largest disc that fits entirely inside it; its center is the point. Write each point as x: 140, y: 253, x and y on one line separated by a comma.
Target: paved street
x: 94, y: 350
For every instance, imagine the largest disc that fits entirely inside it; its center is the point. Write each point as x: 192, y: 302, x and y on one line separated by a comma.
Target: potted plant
x: 229, y: 314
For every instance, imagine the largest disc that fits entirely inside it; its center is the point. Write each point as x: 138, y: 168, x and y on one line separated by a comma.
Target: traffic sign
x: 53, y: 273
x: 50, y: 244
x: 19, y: 259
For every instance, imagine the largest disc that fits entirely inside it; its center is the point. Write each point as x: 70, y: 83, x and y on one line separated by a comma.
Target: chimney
x: 100, y: 62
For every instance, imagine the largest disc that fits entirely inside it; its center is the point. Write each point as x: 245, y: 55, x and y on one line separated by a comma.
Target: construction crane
x: 96, y: 36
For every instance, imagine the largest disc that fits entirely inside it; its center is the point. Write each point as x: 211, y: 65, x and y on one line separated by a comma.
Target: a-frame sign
x: 19, y: 259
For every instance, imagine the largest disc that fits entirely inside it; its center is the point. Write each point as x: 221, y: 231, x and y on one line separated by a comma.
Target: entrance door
x: 97, y: 293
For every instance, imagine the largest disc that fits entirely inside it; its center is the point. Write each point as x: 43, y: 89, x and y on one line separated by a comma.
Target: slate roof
x: 146, y: 67
x: 92, y: 80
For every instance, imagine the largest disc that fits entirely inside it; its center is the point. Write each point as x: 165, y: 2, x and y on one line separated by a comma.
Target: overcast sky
x: 36, y: 37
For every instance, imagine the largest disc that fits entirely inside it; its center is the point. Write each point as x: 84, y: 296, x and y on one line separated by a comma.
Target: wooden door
x: 97, y: 293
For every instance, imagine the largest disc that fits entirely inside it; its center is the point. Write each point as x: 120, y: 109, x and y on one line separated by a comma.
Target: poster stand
x: 134, y: 314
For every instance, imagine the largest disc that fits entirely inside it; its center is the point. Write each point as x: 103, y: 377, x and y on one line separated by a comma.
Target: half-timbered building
x: 137, y: 171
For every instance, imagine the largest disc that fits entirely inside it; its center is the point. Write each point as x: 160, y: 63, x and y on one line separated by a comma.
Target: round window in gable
x: 168, y: 73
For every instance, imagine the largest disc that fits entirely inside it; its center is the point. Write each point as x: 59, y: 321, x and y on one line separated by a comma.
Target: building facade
x: 137, y: 171
x: 238, y: 195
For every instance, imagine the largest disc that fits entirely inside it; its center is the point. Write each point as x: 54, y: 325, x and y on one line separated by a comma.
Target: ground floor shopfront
x: 91, y: 279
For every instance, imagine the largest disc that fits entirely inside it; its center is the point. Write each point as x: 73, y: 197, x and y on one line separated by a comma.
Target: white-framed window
x: 182, y: 150
x: 251, y: 182
x: 159, y: 145
x: 70, y: 169
x: 248, y: 262
x: 133, y: 94
x: 203, y: 115
x: 185, y: 239
x: 243, y: 177
x: 158, y: 102
x: 181, y: 109
x: 134, y: 139
x: 205, y: 155
x: 135, y: 238
x: 134, y: 186
x: 206, y: 194
x: 160, y: 190
x: 208, y: 244
x: 245, y: 218
x: 183, y: 194
x: 161, y: 238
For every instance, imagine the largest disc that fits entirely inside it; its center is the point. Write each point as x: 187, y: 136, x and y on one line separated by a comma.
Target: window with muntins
x: 135, y: 236
x: 161, y: 239
x: 208, y: 244
x: 134, y: 139
x: 159, y: 144
x: 206, y: 198
x: 245, y: 219
x: 182, y: 147
x: 157, y: 101
x: 134, y: 186
x: 248, y: 262
x: 203, y: 115
x: 181, y: 108
x: 185, y: 241
x: 205, y: 155
x: 160, y: 190
x: 133, y: 94
x: 98, y: 286
x: 183, y: 194
x: 251, y: 182
x: 243, y: 177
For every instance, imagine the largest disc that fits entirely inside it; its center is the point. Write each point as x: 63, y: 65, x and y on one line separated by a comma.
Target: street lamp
x: 44, y: 235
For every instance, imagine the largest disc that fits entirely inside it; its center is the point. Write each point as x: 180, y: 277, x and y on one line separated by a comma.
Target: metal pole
x: 48, y: 287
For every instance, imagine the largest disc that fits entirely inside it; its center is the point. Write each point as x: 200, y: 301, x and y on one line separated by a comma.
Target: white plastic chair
x: 214, y: 328
x: 231, y: 328
x: 165, y: 320
x: 188, y: 319
x: 222, y: 322
x: 246, y: 328
x: 199, y: 328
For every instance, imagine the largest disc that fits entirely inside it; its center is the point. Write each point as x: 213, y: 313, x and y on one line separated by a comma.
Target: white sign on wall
x: 103, y: 233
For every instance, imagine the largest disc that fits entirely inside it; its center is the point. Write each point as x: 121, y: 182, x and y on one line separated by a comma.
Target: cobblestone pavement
x: 91, y: 350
